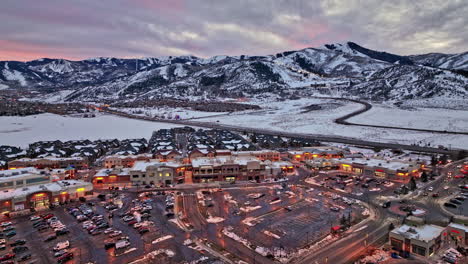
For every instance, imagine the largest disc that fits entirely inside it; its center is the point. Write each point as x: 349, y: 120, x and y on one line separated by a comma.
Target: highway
x: 366, y: 107
x: 318, y: 137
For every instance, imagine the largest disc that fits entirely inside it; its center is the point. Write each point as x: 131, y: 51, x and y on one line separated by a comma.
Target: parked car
x: 18, y: 242
x: 50, y: 238
x: 5, y: 224
x: 95, y: 232
x: 8, y: 228
x: 66, y: 257
x: 335, y: 209
x: 143, y: 230
x: 115, y: 233
x: 7, y: 256
x: 47, y: 216
x: 20, y: 249
x: 11, y: 233
x: 62, y: 232
x: 60, y: 253
x: 454, y: 201
x: 128, y: 218
x: 62, y: 245
x: 34, y: 218
x: 24, y: 257
x: 451, y: 205
x: 109, y: 245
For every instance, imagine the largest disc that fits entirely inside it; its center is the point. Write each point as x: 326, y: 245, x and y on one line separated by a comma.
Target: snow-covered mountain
x: 345, y: 69
x: 444, y: 61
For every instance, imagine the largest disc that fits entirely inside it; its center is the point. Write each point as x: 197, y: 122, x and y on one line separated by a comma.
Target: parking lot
x: 137, y: 228
x: 353, y: 184
x: 286, y: 217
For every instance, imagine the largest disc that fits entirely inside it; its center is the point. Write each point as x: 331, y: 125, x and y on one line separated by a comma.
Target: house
x: 165, y: 155
x: 49, y: 162
x: 198, y: 153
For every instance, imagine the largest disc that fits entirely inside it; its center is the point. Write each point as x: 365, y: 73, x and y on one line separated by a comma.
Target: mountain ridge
x: 343, y: 69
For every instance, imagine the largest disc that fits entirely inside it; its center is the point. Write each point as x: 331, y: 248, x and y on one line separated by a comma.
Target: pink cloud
x: 18, y: 51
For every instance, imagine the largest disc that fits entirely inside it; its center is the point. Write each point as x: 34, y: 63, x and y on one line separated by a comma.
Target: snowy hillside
x: 444, y: 61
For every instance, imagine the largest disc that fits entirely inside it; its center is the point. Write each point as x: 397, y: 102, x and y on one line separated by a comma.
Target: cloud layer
x: 147, y: 28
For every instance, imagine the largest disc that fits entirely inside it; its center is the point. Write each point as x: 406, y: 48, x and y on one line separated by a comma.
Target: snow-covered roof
x: 19, y: 172
x: 422, y: 233
x: 49, y: 158
x: 222, y: 160
x: 107, y: 172
x: 142, y: 165
x: 388, y: 164
x: 459, y: 226
x: 58, y: 186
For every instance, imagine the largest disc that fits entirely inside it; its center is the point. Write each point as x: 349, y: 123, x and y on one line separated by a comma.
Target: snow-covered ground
x: 21, y: 131
x: 425, y: 118
x: 291, y: 116
x: 168, y: 112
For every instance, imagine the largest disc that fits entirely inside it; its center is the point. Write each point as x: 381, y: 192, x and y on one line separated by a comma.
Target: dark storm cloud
x: 124, y: 28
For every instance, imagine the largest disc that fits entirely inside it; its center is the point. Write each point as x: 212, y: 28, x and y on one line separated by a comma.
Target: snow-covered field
x: 168, y: 112
x: 21, y: 131
x: 425, y: 118
x: 291, y: 116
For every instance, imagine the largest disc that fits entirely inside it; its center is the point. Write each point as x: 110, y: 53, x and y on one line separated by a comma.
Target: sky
x: 80, y: 29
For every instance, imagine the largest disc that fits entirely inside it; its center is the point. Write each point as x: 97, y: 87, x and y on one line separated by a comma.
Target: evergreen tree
x: 412, y: 184
x: 253, y: 138
x: 391, y: 227
x: 343, y: 220
x: 424, y: 176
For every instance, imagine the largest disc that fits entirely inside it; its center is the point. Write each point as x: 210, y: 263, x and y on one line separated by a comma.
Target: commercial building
x: 310, y: 153
x: 236, y: 168
x: 422, y: 240
x: 124, y: 161
x: 458, y: 230
x: 112, y: 177
x: 262, y: 155
x: 28, y: 188
x: 49, y: 162
x: 157, y: 173
x: 378, y: 167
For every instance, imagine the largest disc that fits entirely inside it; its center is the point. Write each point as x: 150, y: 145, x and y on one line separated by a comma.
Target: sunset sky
x: 79, y: 29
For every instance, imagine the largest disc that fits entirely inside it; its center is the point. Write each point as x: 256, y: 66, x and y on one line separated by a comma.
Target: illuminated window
x: 168, y: 174
x: 380, y: 174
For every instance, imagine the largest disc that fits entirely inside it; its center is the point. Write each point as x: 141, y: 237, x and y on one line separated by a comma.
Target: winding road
x: 318, y: 137
x: 367, y: 106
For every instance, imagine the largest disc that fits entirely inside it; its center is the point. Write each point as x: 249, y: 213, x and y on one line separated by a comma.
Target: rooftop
x: 142, y: 165
x: 459, y: 226
x: 18, y: 172
x: 58, y: 186
x: 388, y: 164
x: 423, y: 233
x: 222, y: 160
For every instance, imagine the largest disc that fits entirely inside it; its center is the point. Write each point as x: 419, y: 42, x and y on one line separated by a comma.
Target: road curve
x: 324, y: 138
x: 366, y: 107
